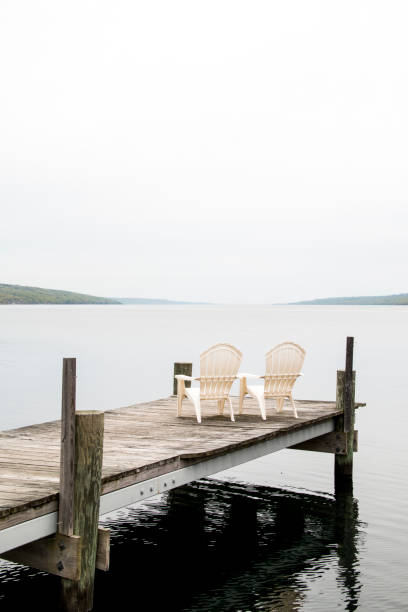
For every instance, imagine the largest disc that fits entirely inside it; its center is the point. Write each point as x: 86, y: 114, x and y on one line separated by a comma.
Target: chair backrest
x: 283, y: 365
x: 218, y: 369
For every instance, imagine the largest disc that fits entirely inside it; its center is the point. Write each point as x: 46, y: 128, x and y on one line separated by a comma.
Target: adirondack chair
x: 283, y: 365
x: 218, y: 369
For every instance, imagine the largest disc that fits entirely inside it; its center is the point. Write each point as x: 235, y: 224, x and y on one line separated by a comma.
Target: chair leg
x: 221, y: 406
x: 261, y: 403
x: 293, y: 406
x: 231, y: 410
x: 197, y: 408
x: 179, y: 403
x: 180, y: 395
x: 262, y: 407
x: 242, y: 393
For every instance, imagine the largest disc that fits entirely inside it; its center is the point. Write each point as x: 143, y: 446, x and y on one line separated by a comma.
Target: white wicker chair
x: 218, y: 369
x: 283, y: 365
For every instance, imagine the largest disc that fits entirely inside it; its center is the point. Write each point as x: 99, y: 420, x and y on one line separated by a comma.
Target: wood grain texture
x: 334, y: 442
x: 89, y: 427
x: 348, y: 387
x: 103, y: 549
x: 140, y: 442
x: 343, y: 464
x: 58, y: 554
x: 67, y: 460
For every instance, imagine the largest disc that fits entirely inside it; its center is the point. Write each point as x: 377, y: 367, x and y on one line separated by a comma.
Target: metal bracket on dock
x: 161, y: 484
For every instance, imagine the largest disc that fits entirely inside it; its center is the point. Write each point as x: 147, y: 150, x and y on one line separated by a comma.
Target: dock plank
x: 140, y: 441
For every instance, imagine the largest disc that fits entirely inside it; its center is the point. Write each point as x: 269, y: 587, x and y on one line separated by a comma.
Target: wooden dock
x: 147, y: 450
x: 142, y: 442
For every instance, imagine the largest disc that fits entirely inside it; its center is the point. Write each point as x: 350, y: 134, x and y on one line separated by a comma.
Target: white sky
x: 221, y: 151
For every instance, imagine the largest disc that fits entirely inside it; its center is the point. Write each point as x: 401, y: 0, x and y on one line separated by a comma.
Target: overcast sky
x: 222, y: 150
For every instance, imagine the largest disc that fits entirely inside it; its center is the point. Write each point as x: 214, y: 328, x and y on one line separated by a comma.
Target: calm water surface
x: 274, y: 537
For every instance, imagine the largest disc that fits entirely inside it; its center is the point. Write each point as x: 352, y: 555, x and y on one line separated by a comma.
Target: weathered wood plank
x: 334, y: 442
x: 103, y: 549
x: 58, y: 554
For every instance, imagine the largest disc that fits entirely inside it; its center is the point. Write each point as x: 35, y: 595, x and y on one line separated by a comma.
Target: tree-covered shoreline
x: 20, y: 294
x: 400, y: 299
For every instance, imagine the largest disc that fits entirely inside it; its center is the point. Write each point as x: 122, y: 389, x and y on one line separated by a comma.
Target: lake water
x: 274, y: 537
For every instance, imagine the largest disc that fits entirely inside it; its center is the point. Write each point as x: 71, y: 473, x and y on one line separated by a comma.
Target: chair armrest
x: 283, y: 375
x: 184, y: 377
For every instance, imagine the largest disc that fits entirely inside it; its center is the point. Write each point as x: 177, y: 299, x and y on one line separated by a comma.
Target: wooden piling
x: 67, y: 460
x: 182, y: 368
x: 348, y: 387
x: 78, y: 596
x: 345, y: 396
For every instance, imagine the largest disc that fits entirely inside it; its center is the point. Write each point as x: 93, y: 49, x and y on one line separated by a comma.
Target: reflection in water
x: 346, y: 525
x: 218, y: 546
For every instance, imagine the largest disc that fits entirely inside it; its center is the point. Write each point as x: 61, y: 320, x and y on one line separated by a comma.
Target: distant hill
x: 19, y: 294
x: 367, y: 300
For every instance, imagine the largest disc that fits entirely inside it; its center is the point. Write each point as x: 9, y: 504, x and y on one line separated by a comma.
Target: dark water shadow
x: 216, y: 546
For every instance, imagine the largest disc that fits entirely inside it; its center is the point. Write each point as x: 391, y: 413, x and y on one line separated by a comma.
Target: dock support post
x: 345, y: 394
x: 182, y: 368
x: 78, y: 596
x: 67, y: 460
